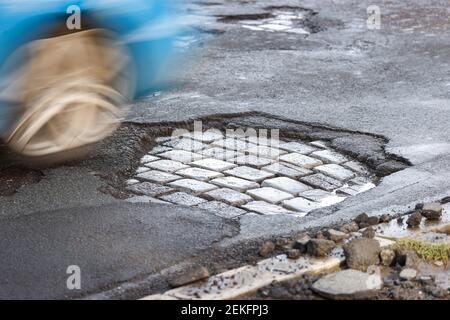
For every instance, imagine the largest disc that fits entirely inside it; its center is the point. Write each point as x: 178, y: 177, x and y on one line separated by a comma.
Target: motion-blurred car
x: 63, y: 87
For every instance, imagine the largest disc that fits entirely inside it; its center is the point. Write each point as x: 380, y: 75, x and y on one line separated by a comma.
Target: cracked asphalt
x: 393, y: 82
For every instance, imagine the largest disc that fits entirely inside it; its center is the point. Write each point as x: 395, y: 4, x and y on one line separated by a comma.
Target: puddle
x: 396, y: 229
x: 280, y: 19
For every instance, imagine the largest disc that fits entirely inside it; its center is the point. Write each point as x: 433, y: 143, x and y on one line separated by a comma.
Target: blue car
x: 67, y: 68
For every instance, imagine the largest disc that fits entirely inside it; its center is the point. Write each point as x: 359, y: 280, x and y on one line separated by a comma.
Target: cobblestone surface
x: 232, y: 176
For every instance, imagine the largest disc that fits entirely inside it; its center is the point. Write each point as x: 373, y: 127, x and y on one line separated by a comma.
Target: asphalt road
x: 392, y: 82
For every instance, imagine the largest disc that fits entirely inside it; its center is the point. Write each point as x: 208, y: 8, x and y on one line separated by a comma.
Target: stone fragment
x: 408, y: 274
x: 349, y: 227
x: 293, y: 254
x: 320, y: 247
x: 414, y: 220
x: 266, y: 249
x: 432, y: 211
x: 348, y: 284
x: 335, y: 235
x: 387, y: 257
x: 185, y: 273
x: 301, y: 243
x: 361, y: 253
x: 369, y: 233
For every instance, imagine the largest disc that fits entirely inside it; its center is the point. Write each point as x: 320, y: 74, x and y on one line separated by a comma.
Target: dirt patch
x: 14, y: 178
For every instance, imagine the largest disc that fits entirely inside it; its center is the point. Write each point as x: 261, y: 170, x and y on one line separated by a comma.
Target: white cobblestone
x: 158, y: 176
x: 149, y: 189
x: 322, y: 181
x: 166, y: 165
x: 194, y: 186
x: 286, y: 184
x: 297, y: 147
x: 301, y: 160
x: 221, y: 209
x: 252, y: 160
x: 234, y: 183
x: 246, y: 171
x: 287, y: 170
x: 220, y: 153
x: 145, y: 199
x: 205, y: 136
x: 130, y: 182
x: 214, y: 164
x: 181, y: 156
x: 159, y: 149
x: 265, y: 152
x: 232, y: 144
x: 335, y: 171
x: 148, y: 158
x: 323, y: 197
x: 186, y: 144
x: 319, y: 144
x: 199, y: 173
x: 329, y: 156
x: 183, y: 198
x: 142, y: 169
x: 269, y: 194
x: 229, y: 196
x: 355, y: 166
x: 263, y: 207
x: 301, y: 205
x: 249, y: 173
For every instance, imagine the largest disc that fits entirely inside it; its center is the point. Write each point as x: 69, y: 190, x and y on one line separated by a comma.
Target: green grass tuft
x: 426, y: 251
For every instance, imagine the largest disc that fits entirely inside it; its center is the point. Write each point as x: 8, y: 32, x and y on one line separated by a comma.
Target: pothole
x: 288, y: 19
x: 254, y: 164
